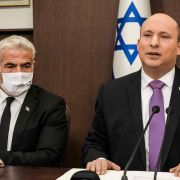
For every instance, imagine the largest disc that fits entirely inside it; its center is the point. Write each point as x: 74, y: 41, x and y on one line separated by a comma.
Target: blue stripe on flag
x: 120, y: 43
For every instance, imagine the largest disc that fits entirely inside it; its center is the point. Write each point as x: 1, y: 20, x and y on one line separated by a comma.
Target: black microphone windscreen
x: 155, y: 109
x: 85, y: 175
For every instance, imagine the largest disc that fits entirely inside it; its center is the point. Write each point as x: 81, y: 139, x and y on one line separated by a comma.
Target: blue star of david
x: 120, y: 44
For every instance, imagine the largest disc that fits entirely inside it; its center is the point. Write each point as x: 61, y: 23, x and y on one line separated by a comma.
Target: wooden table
x: 31, y: 173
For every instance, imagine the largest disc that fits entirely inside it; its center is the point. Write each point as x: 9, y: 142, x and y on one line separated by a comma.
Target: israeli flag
x: 132, y: 14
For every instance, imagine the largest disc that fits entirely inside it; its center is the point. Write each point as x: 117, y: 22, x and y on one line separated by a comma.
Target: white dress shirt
x: 146, y: 93
x: 15, y: 109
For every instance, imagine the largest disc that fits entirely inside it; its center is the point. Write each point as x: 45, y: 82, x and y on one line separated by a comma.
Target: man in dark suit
x: 37, y: 131
x: 122, y: 107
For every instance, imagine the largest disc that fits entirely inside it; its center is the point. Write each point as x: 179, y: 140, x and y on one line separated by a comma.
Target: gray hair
x: 19, y: 42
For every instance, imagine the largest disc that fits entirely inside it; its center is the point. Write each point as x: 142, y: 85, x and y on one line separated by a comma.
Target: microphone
x: 85, y: 175
x: 155, y: 109
x: 158, y: 164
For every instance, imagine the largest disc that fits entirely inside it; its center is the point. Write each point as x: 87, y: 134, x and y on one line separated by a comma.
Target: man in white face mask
x: 37, y: 130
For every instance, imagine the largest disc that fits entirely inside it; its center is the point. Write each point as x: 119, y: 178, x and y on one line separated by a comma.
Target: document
x: 132, y: 175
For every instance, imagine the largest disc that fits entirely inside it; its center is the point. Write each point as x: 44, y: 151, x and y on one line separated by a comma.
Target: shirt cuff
x: 101, y: 158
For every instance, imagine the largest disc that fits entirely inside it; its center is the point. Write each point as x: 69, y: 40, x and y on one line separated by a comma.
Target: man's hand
x: 1, y: 163
x: 175, y: 170
x: 100, y: 166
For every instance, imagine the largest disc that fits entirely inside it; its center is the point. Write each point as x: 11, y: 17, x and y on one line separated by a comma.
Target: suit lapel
x: 134, y: 94
x: 24, y: 115
x: 174, y: 119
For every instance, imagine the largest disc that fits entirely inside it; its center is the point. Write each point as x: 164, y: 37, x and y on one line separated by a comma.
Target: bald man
x: 122, y: 106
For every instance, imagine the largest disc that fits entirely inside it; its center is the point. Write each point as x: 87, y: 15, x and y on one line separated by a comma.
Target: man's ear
x: 138, y: 44
x: 1, y: 79
x: 34, y: 62
x: 178, y: 48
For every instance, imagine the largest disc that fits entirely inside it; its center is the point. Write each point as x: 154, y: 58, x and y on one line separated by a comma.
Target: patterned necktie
x: 157, y: 124
x: 4, y: 126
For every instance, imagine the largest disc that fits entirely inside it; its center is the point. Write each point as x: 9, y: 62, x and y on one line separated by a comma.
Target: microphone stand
x: 158, y: 164
x: 155, y: 109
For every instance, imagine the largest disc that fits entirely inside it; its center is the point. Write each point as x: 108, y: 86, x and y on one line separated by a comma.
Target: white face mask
x: 15, y: 84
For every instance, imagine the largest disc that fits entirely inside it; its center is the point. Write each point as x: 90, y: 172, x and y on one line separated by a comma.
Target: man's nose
x: 154, y: 41
x: 18, y: 69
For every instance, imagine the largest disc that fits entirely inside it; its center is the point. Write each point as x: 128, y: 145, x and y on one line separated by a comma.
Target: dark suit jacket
x: 118, y: 124
x: 40, y: 132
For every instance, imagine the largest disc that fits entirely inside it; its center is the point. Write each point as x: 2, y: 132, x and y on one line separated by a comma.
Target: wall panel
x: 74, y: 40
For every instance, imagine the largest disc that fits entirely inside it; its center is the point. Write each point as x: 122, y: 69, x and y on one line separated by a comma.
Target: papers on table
x: 132, y: 175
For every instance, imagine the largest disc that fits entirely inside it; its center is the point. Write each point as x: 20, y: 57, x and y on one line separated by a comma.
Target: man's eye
x: 9, y: 66
x: 147, y: 35
x: 26, y: 66
x: 165, y: 37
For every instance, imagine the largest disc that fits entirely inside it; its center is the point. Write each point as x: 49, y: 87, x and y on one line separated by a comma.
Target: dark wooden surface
x: 28, y: 33
x: 30, y: 173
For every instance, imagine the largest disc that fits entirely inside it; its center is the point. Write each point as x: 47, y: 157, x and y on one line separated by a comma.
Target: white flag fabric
x: 132, y: 14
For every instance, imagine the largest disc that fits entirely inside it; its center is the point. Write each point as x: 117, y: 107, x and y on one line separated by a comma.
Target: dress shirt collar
x: 20, y: 98
x: 168, y: 78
